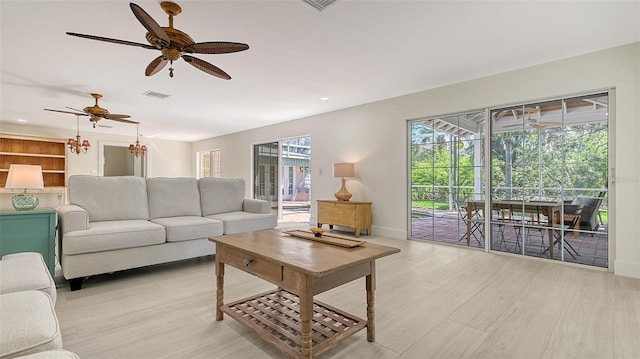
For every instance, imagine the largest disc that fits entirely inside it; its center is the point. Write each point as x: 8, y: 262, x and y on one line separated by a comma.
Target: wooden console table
x: 350, y: 214
x: 288, y: 317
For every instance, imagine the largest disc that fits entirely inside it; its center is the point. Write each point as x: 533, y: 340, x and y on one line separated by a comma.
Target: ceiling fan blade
x: 150, y: 24
x: 206, y: 67
x: 543, y: 125
x: 514, y: 126
x: 217, y: 47
x: 119, y: 119
x: 73, y: 113
x: 502, y: 114
x: 156, y: 65
x: 75, y: 109
x: 528, y: 110
x: 115, y: 41
x: 113, y: 116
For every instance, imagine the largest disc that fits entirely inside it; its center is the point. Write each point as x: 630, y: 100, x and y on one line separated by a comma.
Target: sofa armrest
x: 72, y: 218
x: 256, y: 206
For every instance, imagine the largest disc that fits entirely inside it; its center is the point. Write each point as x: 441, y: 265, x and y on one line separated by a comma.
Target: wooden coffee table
x: 288, y: 317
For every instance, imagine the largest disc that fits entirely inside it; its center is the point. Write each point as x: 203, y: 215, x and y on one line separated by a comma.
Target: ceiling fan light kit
x: 173, y: 43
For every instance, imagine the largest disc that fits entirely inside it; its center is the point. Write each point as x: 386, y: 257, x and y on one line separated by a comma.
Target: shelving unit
x: 50, y: 153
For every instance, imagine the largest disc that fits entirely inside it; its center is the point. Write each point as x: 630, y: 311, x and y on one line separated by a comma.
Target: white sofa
x: 117, y: 223
x: 29, y: 326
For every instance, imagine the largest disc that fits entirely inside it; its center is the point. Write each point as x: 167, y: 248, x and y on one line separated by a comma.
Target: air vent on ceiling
x: 156, y: 94
x: 319, y: 4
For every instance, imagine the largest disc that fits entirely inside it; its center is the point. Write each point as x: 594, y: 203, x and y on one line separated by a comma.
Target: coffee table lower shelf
x: 275, y: 317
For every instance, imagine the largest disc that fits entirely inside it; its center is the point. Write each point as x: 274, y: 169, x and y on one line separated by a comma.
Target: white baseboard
x: 389, y: 232
x: 627, y: 269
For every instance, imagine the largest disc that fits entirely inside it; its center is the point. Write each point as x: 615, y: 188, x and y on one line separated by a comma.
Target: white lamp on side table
x: 24, y: 177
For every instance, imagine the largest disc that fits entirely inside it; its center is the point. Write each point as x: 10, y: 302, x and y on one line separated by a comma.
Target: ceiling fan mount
x: 173, y: 43
x: 171, y: 8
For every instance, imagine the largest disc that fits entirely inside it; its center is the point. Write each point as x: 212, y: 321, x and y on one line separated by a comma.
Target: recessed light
x: 21, y: 120
x: 324, y: 98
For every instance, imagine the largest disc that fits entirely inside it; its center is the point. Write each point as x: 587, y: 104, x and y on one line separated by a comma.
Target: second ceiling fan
x: 173, y: 43
x: 96, y: 113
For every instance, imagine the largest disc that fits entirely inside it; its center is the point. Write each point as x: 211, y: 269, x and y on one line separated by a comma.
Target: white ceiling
x: 353, y: 52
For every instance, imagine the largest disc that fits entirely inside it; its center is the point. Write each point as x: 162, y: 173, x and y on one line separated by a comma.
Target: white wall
x: 374, y: 136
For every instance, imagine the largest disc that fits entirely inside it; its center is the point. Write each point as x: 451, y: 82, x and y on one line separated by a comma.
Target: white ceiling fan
x: 528, y: 122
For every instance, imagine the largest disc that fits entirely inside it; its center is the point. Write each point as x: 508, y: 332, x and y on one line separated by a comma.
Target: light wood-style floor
x: 432, y: 301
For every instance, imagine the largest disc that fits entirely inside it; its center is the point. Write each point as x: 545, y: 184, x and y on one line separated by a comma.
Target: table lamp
x: 343, y: 170
x: 24, y: 177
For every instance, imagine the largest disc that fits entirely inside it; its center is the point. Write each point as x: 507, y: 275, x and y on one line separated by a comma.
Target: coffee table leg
x: 306, y: 313
x: 371, y: 313
x: 219, y: 288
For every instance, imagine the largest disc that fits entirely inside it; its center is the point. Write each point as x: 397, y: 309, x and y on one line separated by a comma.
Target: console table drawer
x: 249, y: 263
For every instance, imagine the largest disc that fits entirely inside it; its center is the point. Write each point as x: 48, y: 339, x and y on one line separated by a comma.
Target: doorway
x: 116, y: 160
x: 282, y: 176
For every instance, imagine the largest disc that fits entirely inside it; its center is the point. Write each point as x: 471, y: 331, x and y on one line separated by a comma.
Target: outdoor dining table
x: 547, y: 208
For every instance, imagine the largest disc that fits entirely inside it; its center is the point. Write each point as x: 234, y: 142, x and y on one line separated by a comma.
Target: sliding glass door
x: 282, y: 176
x: 549, y: 165
x: 265, y: 173
x: 446, y: 173
x: 547, y: 175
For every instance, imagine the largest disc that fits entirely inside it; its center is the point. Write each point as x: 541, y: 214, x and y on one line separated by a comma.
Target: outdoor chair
x: 572, y: 215
x: 501, y: 218
x: 528, y: 225
x: 590, y: 218
x: 476, y: 222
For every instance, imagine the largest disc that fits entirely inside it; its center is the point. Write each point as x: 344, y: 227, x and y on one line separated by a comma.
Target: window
x: 209, y: 163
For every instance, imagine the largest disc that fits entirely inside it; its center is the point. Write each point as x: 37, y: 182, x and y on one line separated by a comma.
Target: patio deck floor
x: 447, y: 227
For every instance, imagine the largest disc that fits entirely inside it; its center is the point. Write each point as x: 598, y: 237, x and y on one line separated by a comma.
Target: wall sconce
x: 24, y: 177
x: 343, y: 170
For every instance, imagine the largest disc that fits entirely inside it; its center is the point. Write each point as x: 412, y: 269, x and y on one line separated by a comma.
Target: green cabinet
x: 29, y: 231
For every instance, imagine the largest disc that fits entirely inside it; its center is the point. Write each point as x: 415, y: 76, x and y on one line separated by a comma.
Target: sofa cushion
x: 29, y: 324
x: 110, y: 198
x: 26, y: 271
x: 220, y: 195
x: 173, y: 197
x: 189, y: 227
x: 52, y: 354
x: 236, y: 222
x: 585, y: 201
x: 111, y: 235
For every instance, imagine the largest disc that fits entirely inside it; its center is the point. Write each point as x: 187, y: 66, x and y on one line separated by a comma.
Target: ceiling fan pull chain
x: 171, y: 69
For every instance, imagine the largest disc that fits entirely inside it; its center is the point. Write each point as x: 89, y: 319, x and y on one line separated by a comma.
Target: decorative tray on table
x: 326, y: 238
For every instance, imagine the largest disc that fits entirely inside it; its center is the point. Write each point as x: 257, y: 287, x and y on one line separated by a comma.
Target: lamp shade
x: 25, y: 176
x: 343, y: 170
